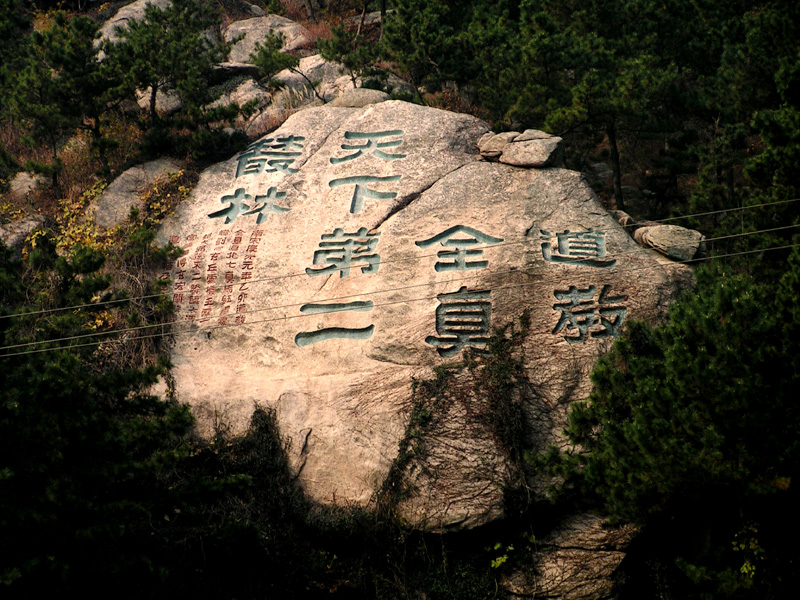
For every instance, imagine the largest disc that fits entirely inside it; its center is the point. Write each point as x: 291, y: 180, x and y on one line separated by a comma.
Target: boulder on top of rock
x: 113, y: 206
x: 531, y: 148
x: 254, y: 30
x: 360, y: 97
x: 353, y: 250
x: 673, y: 241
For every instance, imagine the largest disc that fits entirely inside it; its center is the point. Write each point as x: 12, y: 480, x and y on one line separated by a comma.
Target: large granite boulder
x: 353, y: 250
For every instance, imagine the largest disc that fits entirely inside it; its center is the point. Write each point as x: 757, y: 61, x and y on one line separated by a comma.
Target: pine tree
x: 691, y: 432
x: 170, y: 49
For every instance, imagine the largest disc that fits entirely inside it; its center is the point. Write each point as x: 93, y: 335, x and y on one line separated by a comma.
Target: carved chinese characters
x: 339, y: 250
x: 462, y: 320
x: 211, y: 282
x: 245, y: 204
x: 270, y: 155
x: 576, y: 248
x: 372, y: 145
x: 338, y: 253
x: 583, y: 314
x: 464, y: 247
x: 218, y: 290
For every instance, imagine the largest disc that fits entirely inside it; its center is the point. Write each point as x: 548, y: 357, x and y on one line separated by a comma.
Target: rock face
x: 531, y: 148
x: 113, y: 206
x: 256, y: 29
x: 355, y: 249
x: 575, y: 562
x: 132, y: 12
x: 14, y: 234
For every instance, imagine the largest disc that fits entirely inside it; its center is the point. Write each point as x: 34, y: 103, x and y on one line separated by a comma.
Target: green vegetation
x: 691, y: 432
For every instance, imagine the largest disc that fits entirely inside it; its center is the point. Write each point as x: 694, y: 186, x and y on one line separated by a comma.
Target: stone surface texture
x: 23, y: 183
x: 14, y: 234
x: 131, y: 12
x: 531, y: 148
x: 360, y: 97
x: 113, y: 206
x: 355, y: 249
x: 168, y: 101
x: 673, y: 241
x: 575, y: 562
x: 244, y: 92
x: 327, y: 76
x: 254, y: 30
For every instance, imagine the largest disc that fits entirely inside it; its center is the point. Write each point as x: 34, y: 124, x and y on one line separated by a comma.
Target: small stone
x: 360, y: 97
x: 23, y: 183
x: 492, y: 148
x: 673, y: 241
x: 622, y: 217
x: 536, y: 153
x: 532, y: 134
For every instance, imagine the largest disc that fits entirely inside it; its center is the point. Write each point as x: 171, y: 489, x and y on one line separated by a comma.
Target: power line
x: 288, y: 317
x: 420, y: 257
x: 376, y: 292
x: 717, y: 212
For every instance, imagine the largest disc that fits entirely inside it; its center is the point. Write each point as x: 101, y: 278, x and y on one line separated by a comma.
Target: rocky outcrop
x: 575, y: 562
x: 359, y: 98
x: 251, y: 31
x: 673, y: 241
x: 114, y: 205
x: 353, y: 250
x: 15, y: 233
x: 23, y: 183
x: 531, y: 148
x: 131, y: 12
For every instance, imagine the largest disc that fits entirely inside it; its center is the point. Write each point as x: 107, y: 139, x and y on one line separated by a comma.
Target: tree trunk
x: 99, y: 144
x: 153, y: 113
x: 611, y: 132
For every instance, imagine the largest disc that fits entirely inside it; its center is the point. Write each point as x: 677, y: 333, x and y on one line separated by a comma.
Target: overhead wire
x: 375, y: 292
x: 418, y: 257
x: 194, y: 328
